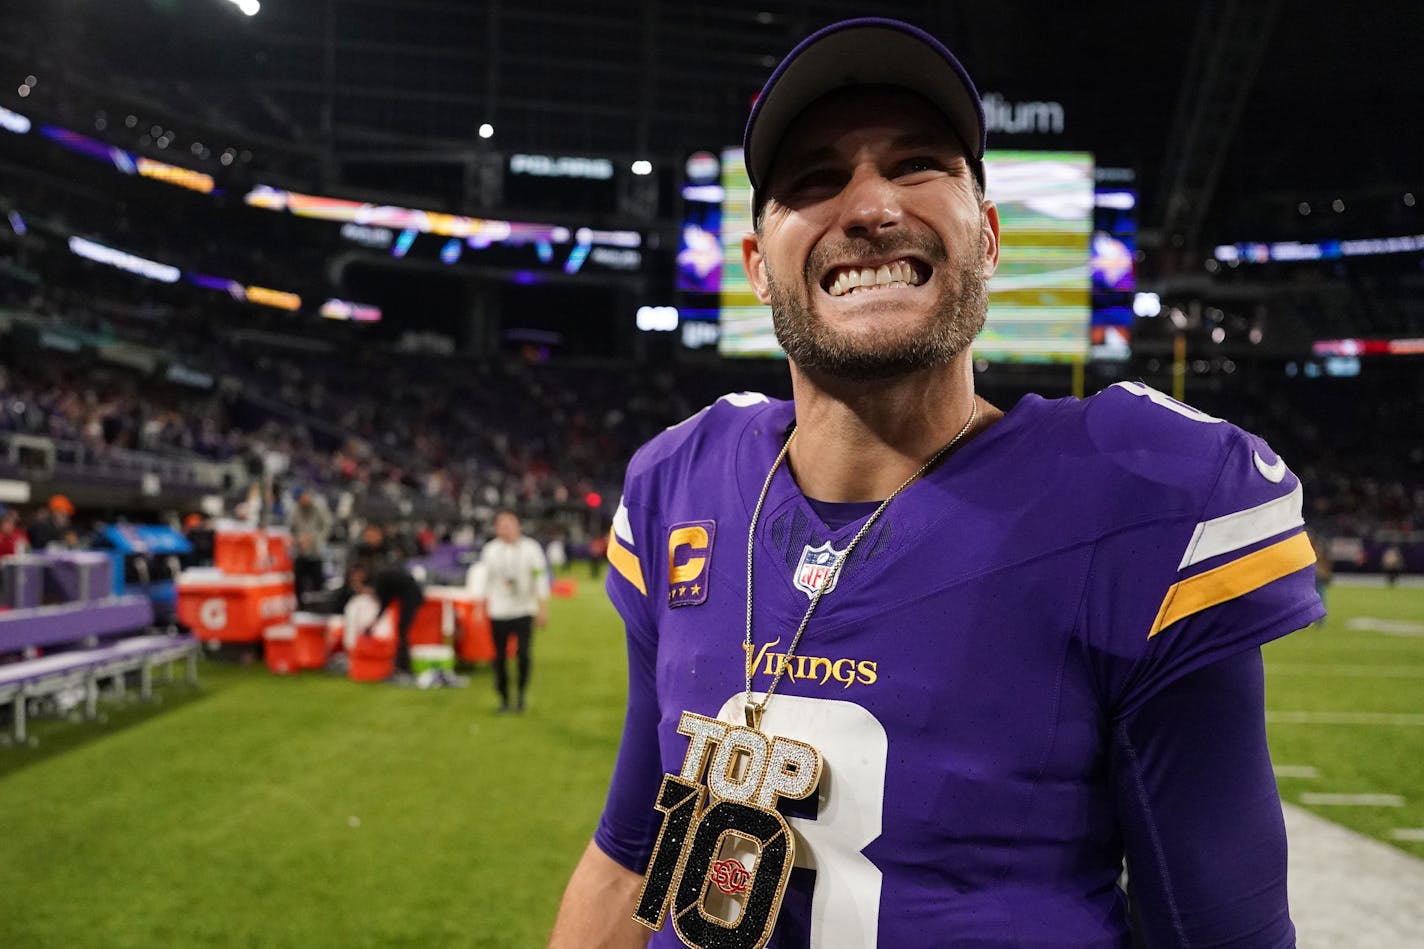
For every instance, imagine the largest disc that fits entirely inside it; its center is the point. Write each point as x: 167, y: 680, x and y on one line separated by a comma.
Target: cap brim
x: 864, y: 52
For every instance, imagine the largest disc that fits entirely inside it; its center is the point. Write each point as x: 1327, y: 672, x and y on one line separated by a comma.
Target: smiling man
x: 905, y: 669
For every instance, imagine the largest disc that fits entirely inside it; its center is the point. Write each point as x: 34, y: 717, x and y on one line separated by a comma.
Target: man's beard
x: 955, y: 320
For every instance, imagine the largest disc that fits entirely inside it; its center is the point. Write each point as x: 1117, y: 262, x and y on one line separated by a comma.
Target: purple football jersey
x: 961, y: 677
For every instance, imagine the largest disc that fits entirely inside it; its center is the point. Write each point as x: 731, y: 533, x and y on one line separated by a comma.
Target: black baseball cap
x: 868, y: 51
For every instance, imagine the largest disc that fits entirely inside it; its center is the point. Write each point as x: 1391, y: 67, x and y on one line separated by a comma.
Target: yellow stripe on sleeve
x: 626, y: 563
x: 1232, y: 580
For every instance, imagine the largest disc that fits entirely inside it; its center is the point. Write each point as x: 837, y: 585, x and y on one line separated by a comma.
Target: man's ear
x: 755, y: 263
x: 989, y: 228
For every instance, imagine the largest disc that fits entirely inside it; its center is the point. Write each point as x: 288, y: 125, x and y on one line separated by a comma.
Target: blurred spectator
x: 390, y: 584
x: 373, y: 546
x: 309, y: 520
x: 597, y: 554
x: 1392, y: 563
x: 13, y: 539
x: 51, y: 523
x: 556, y: 552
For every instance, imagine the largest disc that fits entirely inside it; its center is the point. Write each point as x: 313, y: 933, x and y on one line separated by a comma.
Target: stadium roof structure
x: 1233, y: 112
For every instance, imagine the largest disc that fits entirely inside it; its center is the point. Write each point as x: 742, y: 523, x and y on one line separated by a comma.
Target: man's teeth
x: 898, y: 274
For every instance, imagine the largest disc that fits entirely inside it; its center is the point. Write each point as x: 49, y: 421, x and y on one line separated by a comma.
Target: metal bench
x: 91, y: 661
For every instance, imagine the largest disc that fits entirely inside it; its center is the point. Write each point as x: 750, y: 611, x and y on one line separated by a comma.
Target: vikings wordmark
x: 725, y: 866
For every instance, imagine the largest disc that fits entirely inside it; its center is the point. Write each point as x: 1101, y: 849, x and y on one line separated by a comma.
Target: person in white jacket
x: 514, y: 577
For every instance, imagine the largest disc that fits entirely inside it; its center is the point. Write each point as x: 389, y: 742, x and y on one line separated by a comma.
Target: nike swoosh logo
x: 1273, y: 473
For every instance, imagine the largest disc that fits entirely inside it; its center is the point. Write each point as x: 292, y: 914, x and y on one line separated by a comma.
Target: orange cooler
x: 432, y: 621
x: 279, y: 549
x: 311, y: 642
x: 373, y: 658
x: 468, y: 620
x: 239, y: 549
x: 279, y: 648
x: 235, y: 609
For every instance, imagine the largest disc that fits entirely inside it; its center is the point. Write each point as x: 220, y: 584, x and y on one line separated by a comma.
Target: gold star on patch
x: 682, y: 591
x: 696, y: 590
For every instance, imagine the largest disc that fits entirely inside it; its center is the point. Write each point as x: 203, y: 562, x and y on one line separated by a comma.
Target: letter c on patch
x: 693, y: 538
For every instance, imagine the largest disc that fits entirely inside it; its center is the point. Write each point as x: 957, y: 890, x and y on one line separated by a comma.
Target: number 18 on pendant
x: 725, y: 867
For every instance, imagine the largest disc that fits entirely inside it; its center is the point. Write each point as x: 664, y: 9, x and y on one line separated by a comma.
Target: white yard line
x: 1353, y: 800
x: 1295, y: 771
x: 1326, y: 670
x: 1406, y: 719
x: 1412, y: 834
x: 1375, y: 580
x: 1350, y: 892
x: 1390, y: 627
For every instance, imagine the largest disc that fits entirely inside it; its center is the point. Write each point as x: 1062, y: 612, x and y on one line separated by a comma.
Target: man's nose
x: 870, y: 203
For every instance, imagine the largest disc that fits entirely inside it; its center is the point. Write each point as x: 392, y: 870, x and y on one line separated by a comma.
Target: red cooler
x: 279, y: 648
x: 279, y: 549
x: 373, y: 658
x: 235, y: 609
x: 473, y: 638
x: 239, y: 549
x: 311, y: 640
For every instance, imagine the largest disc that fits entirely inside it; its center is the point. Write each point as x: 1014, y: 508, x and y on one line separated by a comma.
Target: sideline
x: 1348, y: 891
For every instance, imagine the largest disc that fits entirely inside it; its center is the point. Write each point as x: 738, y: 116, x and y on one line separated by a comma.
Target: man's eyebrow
x: 814, y: 156
x: 933, y: 138
x: 926, y: 139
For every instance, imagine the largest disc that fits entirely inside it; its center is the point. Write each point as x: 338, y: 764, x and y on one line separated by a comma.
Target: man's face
x: 506, y: 527
x: 875, y: 250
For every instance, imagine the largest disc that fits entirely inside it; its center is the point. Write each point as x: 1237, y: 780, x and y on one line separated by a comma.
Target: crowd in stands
x: 293, y: 403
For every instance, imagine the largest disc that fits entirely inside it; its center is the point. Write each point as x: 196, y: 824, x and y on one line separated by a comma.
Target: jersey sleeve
x: 1191, y: 774
x: 630, y: 560
x: 628, y: 826
x: 1224, y: 564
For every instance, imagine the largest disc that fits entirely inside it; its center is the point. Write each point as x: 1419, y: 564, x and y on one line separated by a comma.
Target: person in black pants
x: 516, y: 584
x: 522, y: 629
x: 389, y: 584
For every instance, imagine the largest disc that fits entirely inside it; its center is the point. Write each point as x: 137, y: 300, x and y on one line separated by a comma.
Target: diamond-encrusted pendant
x: 724, y: 854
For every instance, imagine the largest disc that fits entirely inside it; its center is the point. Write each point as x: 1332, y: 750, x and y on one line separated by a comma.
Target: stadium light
x: 486, y: 130
x: 1147, y: 305
x: 642, y: 167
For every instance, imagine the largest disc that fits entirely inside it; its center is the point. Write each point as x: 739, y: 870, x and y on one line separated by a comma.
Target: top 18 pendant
x: 724, y: 854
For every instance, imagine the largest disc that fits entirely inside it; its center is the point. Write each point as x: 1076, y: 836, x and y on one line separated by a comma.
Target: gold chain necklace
x: 753, y: 709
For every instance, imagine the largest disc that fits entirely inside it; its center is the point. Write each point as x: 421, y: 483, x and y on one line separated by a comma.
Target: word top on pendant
x: 724, y: 854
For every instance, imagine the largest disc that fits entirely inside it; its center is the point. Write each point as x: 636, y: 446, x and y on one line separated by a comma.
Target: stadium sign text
x: 1035, y: 118
x: 562, y: 166
x: 381, y: 237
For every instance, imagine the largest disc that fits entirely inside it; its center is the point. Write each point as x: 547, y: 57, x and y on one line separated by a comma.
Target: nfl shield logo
x: 815, y: 567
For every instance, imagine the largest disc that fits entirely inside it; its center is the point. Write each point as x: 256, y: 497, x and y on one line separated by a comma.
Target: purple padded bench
x: 93, y: 661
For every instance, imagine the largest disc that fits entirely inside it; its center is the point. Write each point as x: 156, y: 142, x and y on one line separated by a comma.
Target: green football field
x: 309, y: 811
x: 1345, y: 710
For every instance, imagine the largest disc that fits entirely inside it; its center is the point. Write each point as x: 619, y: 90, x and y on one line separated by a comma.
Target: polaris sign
x: 549, y: 166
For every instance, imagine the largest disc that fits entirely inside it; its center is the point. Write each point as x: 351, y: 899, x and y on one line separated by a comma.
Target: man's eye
x: 823, y: 180
x: 913, y: 166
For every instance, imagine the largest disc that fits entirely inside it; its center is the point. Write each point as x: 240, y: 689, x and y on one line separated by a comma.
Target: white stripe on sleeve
x: 1221, y: 535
